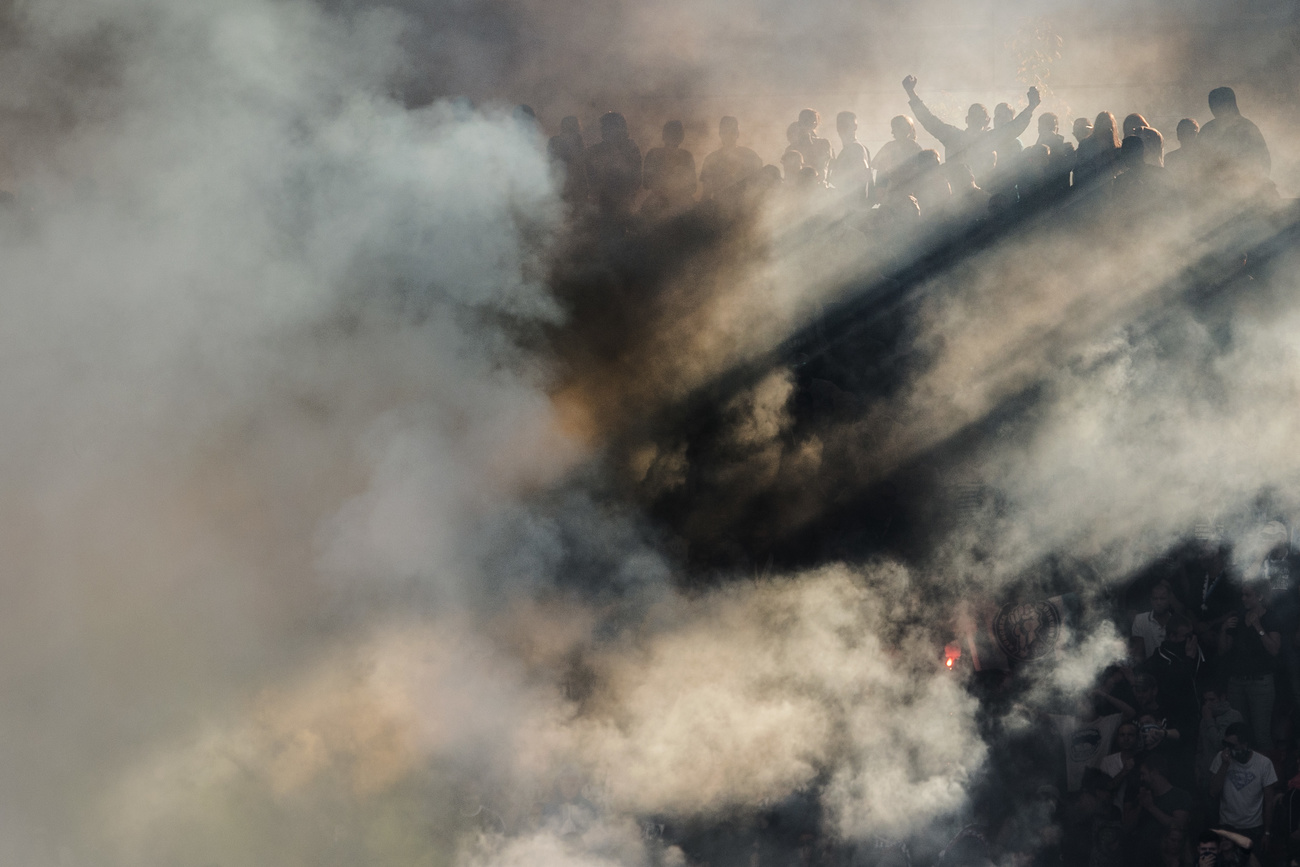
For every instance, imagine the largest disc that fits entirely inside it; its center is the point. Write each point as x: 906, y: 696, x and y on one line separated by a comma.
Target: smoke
x: 316, y: 554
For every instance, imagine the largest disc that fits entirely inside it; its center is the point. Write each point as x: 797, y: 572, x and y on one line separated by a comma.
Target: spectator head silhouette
x: 1048, y: 123
x: 1103, y: 128
x: 729, y: 131
x: 1082, y: 128
x: 846, y: 124
x: 613, y: 127
x: 1133, y: 123
x: 1153, y: 146
x: 673, y: 134
x: 791, y: 164
x: 977, y: 118
x: 1131, y: 152
x: 1035, y: 161
x: 809, y: 120
x: 798, y: 136
x: 1186, y: 131
x: 1236, y: 738
x: 1003, y: 113
x: 571, y: 126
x: 903, y: 128
x: 1223, y: 102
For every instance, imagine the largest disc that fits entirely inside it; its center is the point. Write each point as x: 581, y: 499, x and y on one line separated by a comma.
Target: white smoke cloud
x: 269, y: 445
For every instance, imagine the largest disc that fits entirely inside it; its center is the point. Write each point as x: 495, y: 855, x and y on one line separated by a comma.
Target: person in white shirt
x: 1150, y: 625
x: 1245, y: 781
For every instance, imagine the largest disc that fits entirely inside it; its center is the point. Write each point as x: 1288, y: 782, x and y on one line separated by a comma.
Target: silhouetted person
x: 1138, y: 184
x: 1032, y: 173
x: 894, y: 155
x: 930, y: 186
x: 769, y: 178
x: 819, y: 154
x: 1061, y: 152
x: 669, y: 174
x: 726, y: 171
x: 1153, y: 146
x: 1096, y: 155
x: 968, y: 200
x: 791, y: 164
x: 976, y: 145
x: 614, y: 166
x: 566, y: 152
x: 1081, y: 130
x: 850, y: 171
x: 1232, y: 148
x: 1009, y: 146
x: 1177, y: 160
x: 1133, y: 123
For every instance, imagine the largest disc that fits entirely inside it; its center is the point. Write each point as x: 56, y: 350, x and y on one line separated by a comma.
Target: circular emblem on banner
x: 1028, y: 630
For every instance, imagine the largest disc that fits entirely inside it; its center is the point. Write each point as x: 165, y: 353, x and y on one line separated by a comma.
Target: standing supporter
x: 968, y: 200
x: 1161, y: 808
x: 818, y: 153
x: 1150, y: 625
x: 1174, y: 668
x: 1133, y: 123
x: 1216, y: 716
x: 791, y: 165
x: 614, y: 166
x: 1121, y: 765
x: 1177, y: 159
x: 1250, y: 641
x: 669, y: 174
x: 726, y: 171
x: 1092, y: 829
x: 1232, y: 147
x: 1096, y: 156
x: 1061, y: 159
x: 1137, y: 184
x: 1245, y: 781
x: 566, y: 150
x: 1006, y: 133
x: 895, y: 155
x: 929, y: 185
x: 1081, y: 130
x: 1154, y: 146
x: 850, y: 170
x: 976, y: 145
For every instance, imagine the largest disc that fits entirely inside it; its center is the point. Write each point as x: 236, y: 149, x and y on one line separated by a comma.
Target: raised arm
x: 943, y: 131
x: 1018, y: 124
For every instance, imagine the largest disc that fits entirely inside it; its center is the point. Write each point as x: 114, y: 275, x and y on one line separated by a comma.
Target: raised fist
x: 909, y: 84
x: 1034, y: 98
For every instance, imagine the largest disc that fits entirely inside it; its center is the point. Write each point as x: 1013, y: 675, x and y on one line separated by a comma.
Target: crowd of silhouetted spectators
x: 984, y: 169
